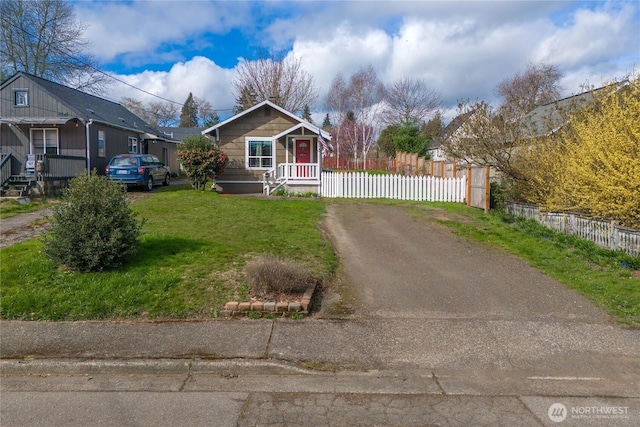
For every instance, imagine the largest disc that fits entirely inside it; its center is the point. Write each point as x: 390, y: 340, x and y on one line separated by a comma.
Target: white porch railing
x: 285, y: 172
x: 298, y: 171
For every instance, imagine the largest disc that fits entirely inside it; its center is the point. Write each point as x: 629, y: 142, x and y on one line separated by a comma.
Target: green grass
x: 601, y: 275
x: 9, y: 208
x: 195, y: 245
x: 192, y: 252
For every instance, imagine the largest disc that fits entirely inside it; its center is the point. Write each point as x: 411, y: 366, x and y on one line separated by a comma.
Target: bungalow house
x: 270, y: 148
x: 454, y: 133
x: 50, y: 133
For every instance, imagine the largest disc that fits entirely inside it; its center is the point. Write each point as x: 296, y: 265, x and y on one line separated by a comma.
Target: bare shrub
x: 268, y: 274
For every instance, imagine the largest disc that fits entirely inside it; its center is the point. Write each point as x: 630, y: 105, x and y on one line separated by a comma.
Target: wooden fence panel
x: 606, y: 234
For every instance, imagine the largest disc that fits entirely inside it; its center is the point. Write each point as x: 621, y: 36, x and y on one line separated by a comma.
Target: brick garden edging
x: 234, y: 308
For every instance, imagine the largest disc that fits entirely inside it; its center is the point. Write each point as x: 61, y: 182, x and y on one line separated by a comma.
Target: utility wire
x: 88, y: 65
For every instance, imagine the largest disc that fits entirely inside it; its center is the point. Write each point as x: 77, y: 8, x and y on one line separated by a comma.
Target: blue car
x: 138, y: 170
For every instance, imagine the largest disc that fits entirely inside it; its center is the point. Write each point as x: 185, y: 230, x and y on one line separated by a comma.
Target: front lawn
x: 193, y: 249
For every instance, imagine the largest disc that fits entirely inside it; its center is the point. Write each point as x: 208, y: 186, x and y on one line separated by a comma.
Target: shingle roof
x: 179, y: 133
x: 85, y: 106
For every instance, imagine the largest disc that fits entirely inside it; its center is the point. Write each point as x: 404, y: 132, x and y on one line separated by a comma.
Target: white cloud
x: 138, y: 28
x: 200, y: 76
x: 462, y: 50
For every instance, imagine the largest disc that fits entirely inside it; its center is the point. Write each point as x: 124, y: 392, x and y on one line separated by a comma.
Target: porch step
x: 17, y: 186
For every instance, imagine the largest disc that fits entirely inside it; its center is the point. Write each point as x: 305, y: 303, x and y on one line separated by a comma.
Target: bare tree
x: 277, y: 77
x: 43, y: 38
x: 538, y: 85
x: 207, y: 116
x: 337, y: 105
x: 365, y: 94
x: 156, y: 113
x: 409, y: 101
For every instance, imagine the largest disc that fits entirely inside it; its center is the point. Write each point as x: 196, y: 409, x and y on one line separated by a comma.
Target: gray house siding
x: 76, y: 116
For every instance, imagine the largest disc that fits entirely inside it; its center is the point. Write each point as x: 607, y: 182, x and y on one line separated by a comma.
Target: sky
x: 461, y: 49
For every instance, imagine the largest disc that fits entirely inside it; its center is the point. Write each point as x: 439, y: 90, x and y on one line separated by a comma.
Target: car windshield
x: 124, y: 161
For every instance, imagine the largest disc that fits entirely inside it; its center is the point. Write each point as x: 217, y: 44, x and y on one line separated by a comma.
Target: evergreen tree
x: 189, y: 114
x: 246, y: 100
x: 326, y: 124
x: 306, y: 114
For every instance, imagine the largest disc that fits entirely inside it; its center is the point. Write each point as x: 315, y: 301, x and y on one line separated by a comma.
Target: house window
x: 101, y: 143
x: 260, y: 153
x: 21, y: 97
x: 133, y: 145
x: 44, y: 141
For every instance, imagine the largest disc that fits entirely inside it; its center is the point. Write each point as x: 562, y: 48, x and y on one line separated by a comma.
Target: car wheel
x: 148, y: 186
x: 167, y: 180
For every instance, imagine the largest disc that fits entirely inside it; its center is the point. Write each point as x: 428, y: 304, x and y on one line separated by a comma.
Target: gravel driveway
x: 401, y: 266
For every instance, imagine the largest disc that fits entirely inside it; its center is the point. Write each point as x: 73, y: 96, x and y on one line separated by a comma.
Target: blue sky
x: 461, y: 49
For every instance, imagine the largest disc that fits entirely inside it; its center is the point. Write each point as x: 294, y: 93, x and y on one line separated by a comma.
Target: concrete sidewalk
x: 245, y: 372
x: 535, y: 349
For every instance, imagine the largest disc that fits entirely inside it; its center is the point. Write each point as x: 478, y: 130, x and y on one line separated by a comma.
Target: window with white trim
x: 44, y: 141
x: 133, y: 145
x: 260, y: 153
x: 21, y: 97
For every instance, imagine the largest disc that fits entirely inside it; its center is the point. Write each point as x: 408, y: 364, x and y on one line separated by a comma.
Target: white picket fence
x: 606, y: 234
x: 419, y: 188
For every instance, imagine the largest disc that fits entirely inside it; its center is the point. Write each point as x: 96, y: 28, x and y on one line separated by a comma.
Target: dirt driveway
x: 402, y: 266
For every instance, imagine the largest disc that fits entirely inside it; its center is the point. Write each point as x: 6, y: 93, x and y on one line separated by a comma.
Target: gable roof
x: 85, y: 107
x: 179, y: 133
x: 307, y: 125
x: 450, y: 129
x: 548, y: 118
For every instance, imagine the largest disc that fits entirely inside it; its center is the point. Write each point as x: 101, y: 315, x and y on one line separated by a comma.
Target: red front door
x: 303, y: 155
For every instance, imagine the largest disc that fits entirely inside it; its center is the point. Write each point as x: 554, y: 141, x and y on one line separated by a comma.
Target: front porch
x: 293, y: 177
x: 42, y: 172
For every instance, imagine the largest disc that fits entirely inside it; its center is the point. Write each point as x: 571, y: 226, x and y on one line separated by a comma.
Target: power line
x: 88, y: 65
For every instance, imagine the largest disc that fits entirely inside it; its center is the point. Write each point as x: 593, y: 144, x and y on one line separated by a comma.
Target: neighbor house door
x: 303, y: 155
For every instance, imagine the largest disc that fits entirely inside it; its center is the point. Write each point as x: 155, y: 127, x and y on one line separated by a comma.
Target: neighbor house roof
x: 179, y: 133
x: 548, y: 118
x: 307, y: 125
x: 85, y: 107
x: 450, y: 130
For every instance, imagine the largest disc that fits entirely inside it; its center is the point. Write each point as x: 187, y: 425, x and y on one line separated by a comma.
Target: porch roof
x: 35, y: 120
x: 309, y: 127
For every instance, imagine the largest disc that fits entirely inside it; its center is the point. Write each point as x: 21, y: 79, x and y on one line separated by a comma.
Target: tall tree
x: 521, y: 93
x: 337, y: 104
x: 246, y: 99
x: 326, y: 123
x: 361, y: 98
x: 156, y: 113
x: 43, y: 38
x: 189, y: 114
x: 306, y: 114
x: 277, y: 77
x: 207, y: 116
x: 434, y: 126
x: 409, y: 102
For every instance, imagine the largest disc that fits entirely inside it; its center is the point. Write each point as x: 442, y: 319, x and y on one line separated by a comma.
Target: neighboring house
x: 452, y: 133
x: 50, y: 133
x: 269, y: 148
x: 549, y: 118
x: 178, y: 133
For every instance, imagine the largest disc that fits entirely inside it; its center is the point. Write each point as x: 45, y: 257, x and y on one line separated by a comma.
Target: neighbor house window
x: 101, y: 143
x: 21, y: 98
x: 260, y: 153
x: 44, y: 141
x: 133, y: 145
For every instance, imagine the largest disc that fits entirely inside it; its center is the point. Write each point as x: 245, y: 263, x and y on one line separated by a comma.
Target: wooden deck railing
x: 5, y: 167
x: 51, y: 166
